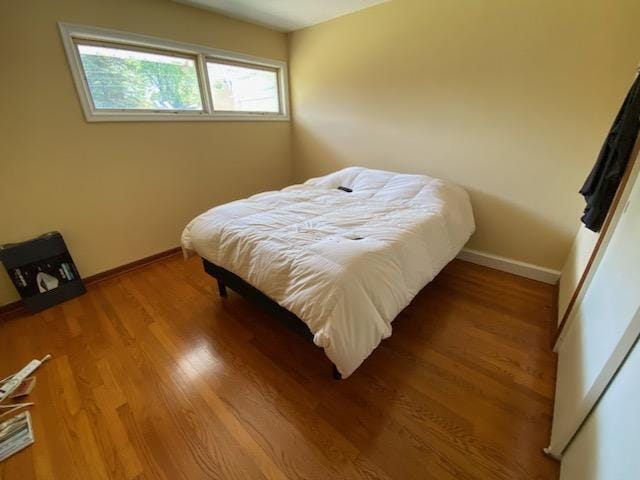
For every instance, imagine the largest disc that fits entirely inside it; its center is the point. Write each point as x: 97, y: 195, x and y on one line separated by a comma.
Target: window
x: 127, y: 77
x: 242, y: 88
x: 120, y: 78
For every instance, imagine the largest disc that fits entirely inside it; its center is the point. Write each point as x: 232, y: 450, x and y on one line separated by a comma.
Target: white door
x: 602, y: 330
x: 606, y: 447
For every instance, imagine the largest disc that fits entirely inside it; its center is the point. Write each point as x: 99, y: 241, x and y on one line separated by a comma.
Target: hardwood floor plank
x: 154, y: 376
x: 125, y: 451
x: 220, y: 409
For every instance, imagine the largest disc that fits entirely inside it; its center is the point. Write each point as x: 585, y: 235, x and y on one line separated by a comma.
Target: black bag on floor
x: 42, y: 271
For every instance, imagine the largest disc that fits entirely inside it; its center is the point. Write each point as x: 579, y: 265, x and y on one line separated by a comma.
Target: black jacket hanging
x: 602, y: 183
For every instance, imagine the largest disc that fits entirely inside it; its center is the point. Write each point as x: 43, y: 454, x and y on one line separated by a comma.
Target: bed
x: 343, y: 253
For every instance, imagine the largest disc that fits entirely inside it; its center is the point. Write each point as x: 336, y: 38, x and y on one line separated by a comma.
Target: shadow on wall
x: 503, y: 227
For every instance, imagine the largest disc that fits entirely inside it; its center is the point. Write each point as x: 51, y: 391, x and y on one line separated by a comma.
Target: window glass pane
x: 131, y: 79
x: 243, y: 89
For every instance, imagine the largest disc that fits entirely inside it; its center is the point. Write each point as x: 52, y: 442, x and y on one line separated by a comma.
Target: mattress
x: 345, y: 262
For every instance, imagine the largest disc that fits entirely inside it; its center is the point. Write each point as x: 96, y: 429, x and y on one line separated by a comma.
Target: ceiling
x: 283, y: 15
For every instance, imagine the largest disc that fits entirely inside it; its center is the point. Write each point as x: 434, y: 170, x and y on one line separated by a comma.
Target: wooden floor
x: 154, y: 376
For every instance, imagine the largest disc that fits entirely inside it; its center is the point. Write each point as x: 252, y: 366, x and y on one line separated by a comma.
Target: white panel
x: 602, y: 331
x: 584, y: 244
x: 606, y: 447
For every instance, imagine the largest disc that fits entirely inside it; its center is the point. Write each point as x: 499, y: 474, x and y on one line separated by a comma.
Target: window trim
x: 135, y: 48
x: 71, y: 33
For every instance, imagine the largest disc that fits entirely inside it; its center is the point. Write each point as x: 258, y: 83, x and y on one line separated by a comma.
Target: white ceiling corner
x: 283, y: 15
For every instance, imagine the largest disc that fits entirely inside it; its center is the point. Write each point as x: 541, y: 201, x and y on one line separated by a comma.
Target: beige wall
x: 119, y: 191
x: 511, y: 99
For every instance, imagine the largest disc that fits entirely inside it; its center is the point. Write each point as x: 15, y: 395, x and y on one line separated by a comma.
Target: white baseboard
x: 510, y: 265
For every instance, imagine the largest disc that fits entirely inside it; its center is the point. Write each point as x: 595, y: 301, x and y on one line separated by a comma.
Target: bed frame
x: 225, y: 279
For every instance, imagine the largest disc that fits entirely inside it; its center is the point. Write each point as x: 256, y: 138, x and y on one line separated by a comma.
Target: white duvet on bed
x: 344, y: 263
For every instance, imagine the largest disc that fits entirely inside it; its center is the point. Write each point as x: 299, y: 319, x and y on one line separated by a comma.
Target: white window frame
x: 71, y: 32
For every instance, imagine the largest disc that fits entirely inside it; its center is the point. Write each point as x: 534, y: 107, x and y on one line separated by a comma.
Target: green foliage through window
x: 127, y: 79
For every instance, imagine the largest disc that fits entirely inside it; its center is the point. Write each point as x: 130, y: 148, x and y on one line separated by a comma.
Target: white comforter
x: 344, y: 263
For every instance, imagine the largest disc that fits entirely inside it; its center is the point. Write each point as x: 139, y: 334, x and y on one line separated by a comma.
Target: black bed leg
x: 222, y: 288
x: 335, y: 373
